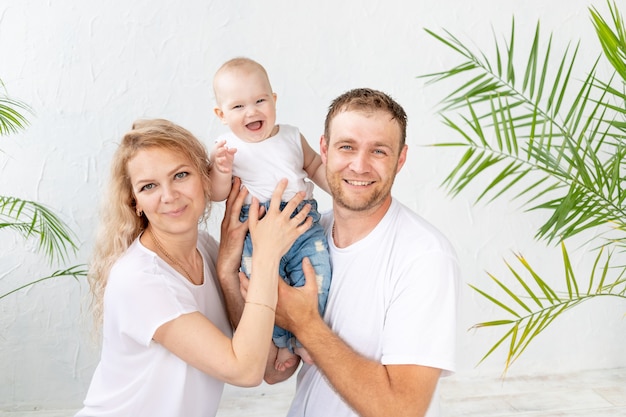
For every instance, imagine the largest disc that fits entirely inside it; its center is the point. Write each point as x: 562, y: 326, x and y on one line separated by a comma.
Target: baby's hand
x: 223, y: 156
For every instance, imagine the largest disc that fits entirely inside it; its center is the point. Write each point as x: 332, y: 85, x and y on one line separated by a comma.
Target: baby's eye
x: 261, y: 100
x: 238, y: 106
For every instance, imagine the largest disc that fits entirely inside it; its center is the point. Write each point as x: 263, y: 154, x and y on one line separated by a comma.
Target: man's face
x: 362, y: 158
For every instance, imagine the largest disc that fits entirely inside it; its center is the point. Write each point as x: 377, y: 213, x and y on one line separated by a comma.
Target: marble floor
x: 600, y: 393
x: 597, y: 393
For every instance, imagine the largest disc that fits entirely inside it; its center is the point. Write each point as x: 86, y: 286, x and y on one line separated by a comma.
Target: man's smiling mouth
x: 360, y: 183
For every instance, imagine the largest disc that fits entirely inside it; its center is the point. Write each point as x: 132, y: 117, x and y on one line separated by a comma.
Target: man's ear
x: 323, y: 149
x: 402, y: 157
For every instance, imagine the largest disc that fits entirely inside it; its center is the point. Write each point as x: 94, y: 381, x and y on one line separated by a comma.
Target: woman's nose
x: 168, y: 193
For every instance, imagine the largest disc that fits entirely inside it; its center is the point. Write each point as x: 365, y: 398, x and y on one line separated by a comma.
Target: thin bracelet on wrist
x: 261, y: 304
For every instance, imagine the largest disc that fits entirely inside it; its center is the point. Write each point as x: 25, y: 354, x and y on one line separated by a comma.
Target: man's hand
x: 233, y: 233
x: 298, y: 305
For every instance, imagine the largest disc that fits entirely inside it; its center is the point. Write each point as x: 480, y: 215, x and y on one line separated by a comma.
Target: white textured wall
x: 89, y: 68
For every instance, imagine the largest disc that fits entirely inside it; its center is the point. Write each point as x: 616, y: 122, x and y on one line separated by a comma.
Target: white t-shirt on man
x: 393, y: 298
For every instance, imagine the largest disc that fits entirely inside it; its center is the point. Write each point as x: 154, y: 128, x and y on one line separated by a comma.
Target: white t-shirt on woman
x: 137, y: 376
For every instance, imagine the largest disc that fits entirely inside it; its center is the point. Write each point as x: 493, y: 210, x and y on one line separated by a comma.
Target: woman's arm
x: 241, y: 360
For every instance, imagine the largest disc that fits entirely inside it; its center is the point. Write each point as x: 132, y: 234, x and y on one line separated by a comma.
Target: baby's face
x: 246, y: 104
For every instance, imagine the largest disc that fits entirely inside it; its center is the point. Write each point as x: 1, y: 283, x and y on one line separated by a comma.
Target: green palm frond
x: 76, y: 272
x: 535, y: 130
x: 612, y: 39
x: 29, y: 219
x: 556, y: 147
x: 527, y: 315
x: 11, y: 118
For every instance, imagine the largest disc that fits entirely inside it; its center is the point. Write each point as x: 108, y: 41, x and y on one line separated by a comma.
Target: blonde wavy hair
x: 120, y: 225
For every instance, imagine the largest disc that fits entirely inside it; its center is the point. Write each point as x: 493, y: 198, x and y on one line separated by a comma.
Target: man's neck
x: 351, y: 226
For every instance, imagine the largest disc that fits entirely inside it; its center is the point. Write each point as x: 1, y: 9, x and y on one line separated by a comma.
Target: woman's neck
x: 180, y: 254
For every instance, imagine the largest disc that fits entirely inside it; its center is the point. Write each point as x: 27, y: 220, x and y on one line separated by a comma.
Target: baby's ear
x: 219, y: 113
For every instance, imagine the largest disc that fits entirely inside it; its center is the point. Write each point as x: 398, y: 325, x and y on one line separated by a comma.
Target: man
x: 388, y: 332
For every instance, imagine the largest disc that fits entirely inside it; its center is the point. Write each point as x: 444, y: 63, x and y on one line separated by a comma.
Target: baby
x: 266, y: 152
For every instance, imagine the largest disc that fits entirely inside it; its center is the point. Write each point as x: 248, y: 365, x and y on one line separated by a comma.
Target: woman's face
x: 168, y: 189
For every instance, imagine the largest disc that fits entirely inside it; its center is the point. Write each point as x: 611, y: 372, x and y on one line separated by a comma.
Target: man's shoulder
x: 414, y: 227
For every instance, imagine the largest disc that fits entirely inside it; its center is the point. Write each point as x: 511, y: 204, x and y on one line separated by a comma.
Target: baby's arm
x: 221, y: 170
x: 313, y: 165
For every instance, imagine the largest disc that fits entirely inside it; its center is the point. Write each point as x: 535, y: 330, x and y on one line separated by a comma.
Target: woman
x: 167, y: 349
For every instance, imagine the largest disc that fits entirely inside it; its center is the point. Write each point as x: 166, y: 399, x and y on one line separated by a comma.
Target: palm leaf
x: 11, y: 118
x: 517, y: 136
x: 612, y: 40
x: 527, y: 323
x: 75, y: 272
x: 29, y: 219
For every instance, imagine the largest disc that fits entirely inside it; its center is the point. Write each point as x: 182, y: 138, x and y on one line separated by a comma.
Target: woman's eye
x: 147, y: 187
x: 181, y: 175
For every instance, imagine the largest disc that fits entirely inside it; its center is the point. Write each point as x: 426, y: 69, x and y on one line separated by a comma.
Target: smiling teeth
x: 359, y: 183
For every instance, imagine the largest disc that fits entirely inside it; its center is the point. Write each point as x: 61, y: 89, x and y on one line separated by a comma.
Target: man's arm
x: 232, y: 236
x: 370, y: 388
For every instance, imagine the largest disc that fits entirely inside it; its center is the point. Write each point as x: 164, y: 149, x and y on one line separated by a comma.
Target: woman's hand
x: 273, y: 235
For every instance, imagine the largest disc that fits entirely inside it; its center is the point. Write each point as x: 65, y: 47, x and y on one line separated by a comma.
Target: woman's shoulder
x: 135, y: 254
x: 137, y: 262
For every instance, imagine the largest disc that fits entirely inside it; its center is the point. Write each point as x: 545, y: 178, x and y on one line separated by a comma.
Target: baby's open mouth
x: 255, y: 125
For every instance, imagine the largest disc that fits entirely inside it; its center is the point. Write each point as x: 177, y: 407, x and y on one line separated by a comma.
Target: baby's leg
x: 304, y: 355
x: 285, y: 359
